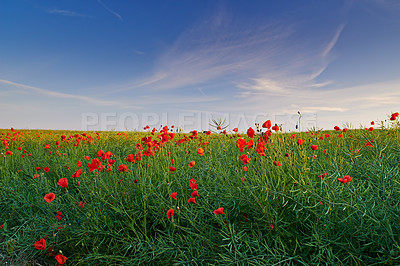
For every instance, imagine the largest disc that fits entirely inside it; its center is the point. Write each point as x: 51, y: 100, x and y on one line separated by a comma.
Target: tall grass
x: 274, y: 215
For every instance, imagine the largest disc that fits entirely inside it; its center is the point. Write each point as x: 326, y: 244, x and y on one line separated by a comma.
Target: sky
x: 122, y: 65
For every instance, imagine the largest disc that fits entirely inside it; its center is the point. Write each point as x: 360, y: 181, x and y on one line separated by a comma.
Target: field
x: 167, y: 198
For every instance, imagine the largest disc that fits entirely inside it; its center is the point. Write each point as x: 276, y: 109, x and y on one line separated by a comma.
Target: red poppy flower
x: 94, y: 164
x: 372, y: 123
x: 63, y: 182
x: 200, y: 151
x: 77, y: 173
x: 49, y: 197
x: 208, y: 132
x: 323, y: 175
x: 86, y: 157
x: 8, y: 152
x: 46, y: 169
x: 41, y: 244
x: 245, y: 159
x: 368, y: 144
x: 59, y: 215
x: 245, y: 168
x: 337, y: 128
x: 122, y: 168
x: 276, y: 128
x: 250, y: 132
x: 79, y: 164
x: 192, y: 184
x: 192, y: 200
x: 81, y: 204
x: 172, y: 169
x: 35, y: 176
x: 345, y: 179
x: 340, y: 135
x: 47, y: 146
x: 267, y: 124
x: 219, y: 127
x: 191, y: 164
x: 314, y: 147
x: 394, y: 116
x: 219, y: 211
x: 235, y: 129
x: 277, y: 163
x: 173, y: 195
x: 100, y: 153
x: 195, y: 193
x: 60, y: 259
x: 300, y: 141
x: 170, y: 212
x: 37, y: 168
x: 130, y: 158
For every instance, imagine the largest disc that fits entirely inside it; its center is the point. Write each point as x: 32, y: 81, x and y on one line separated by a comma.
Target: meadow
x: 161, y: 197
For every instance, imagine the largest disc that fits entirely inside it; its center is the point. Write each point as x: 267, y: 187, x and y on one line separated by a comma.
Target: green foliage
x: 273, y: 214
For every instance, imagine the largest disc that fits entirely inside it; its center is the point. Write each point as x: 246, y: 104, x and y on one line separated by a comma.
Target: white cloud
x: 109, y: 10
x: 67, y: 13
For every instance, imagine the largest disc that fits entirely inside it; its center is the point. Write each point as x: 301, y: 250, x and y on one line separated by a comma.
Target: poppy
x: 340, y: 135
x: 170, y: 212
x: 277, y: 163
x: 77, y: 173
x: 323, y: 175
x: 49, y: 197
x: 8, y: 152
x: 245, y: 159
x: 195, y: 193
x: 337, y: 128
x: 59, y: 215
x: 191, y: 164
x: 192, y: 184
x: 394, y: 116
x: 314, y: 147
x: 41, y: 244
x: 368, y: 144
x: 100, y: 153
x: 245, y: 168
x: 173, y: 195
x: 200, y: 151
x: 235, y: 129
x: 219, y: 211
x: 81, y: 204
x: 94, y: 164
x: 250, y: 132
x: 345, y: 179
x: 63, y: 182
x: 35, y: 176
x: 122, y: 168
x: 47, y: 146
x: 192, y: 200
x: 276, y: 128
x: 267, y: 124
x: 60, y: 259
x: 79, y: 164
x: 300, y: 141
x: 172, y: 169
x: 130, y: 158
x: 37, y: 168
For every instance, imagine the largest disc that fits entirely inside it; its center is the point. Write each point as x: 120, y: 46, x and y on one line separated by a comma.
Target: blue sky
x: 97, y: 65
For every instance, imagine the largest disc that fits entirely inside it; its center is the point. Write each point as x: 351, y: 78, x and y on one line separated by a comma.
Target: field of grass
x: 274, y: 198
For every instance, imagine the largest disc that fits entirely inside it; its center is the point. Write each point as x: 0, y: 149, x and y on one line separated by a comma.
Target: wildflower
x: 200, y: 151
x: 37, y: 168
x: 173, y: 195
x: 100, y: 153
x: 195, y: 193
x: 368, y: 144
x: 41, y: 244
x: 277, y: 163
x: 394, y: 116
x: 81, y: 204
x: 122, y: 168
x: 245, y: 159
x: 267, y: 124
x: 192, y: 200
x: 340, y: 135
x: 337, y: 128
x: 250, y: 132
x: 372, y: 123
x: 8, y: 152
x: 345, y: 179
x: 47, y: 146
x: 63, y: 182
x: 130, y: 158
x: 170, y: 212
x: 276, y: 128
x: 235, y: 130
x: 79, y: 164
x: 60, y: 259
x: 300, y: 141
x: 49, y: 197
x: 191, y: 164
x: 323, y: 175
x: 77, y: 173
x: 35, y: 176
x: 59, y: 215
x: 245, y: 168
x: 314, y: 147
x: 171, y: 169
x: 219, y: 211
x: 192, y: 184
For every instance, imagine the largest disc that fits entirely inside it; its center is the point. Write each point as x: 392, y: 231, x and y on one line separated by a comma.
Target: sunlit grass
x: 291, y: 214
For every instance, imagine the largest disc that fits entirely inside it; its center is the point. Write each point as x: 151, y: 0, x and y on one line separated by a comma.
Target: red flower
x: 219, y: 127
x: 300, y: 141
x: 314, y: 147
x: 170, y: 212
x: 79, y: 164
x: 35, y: 176
x: 323, y: 175
x: 130, y: 158
x: 195, y: 193
x: 192, y: 200
x: 37, y: 168
x: 267, y: 124
x: 8, y: 152
x: 276, y: 128
x: 49, y: 197
x: 59, y: 215
x: 372, y: 123
x: 245, y: 168
x: 192, y: 184
x: 47, y: 146
x: 327, y: 135
x: 394, y: 116
x: 245, y: 159
x: 94, y: 164
x: 81, y: 204
x: 345, y: 179
x: 63, y: 182
x: 250, y: 132
x: 41, y: 244
x: 172, y: 169
x: 276, y: 163
x: 100, y: 153
x: 60, y: 259
x: 1, y: 226
x: 200, y: 151
x: 46, y: 169
x: 191, y: 164
x: 77, y: 173
x: 235, y: 129
x: 173, y: 195
x: 219, y: 211
x: 340, y: 135
x: 368, y: 144
x: 122, y: 168
x: 337, y: 128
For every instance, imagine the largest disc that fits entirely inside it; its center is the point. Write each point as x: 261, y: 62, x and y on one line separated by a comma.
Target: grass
x: 273, y: 215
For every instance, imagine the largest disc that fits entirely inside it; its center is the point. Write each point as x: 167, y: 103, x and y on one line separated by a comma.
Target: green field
x: 303, y: 198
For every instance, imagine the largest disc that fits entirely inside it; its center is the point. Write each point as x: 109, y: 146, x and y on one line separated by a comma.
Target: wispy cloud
x: 68, y: 13
x: 109, y: 10
x: 61, y: 95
